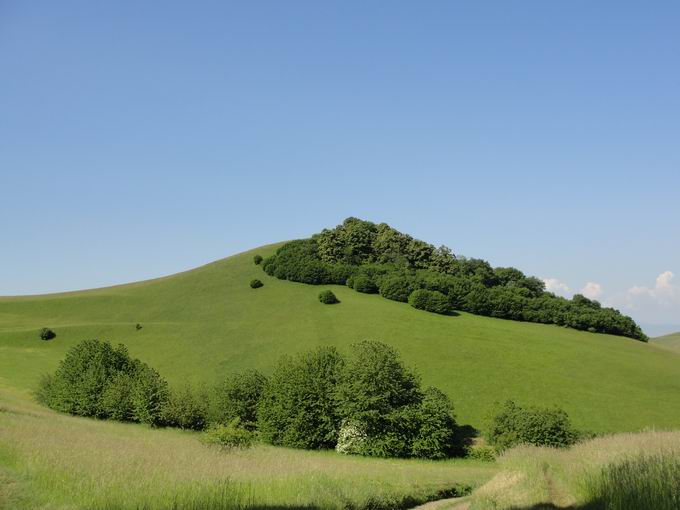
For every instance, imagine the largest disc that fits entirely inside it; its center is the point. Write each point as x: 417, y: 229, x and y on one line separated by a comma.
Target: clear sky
x: 138, y: 139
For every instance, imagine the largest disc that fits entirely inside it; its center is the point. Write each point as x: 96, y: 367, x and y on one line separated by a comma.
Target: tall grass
x: 645, y: 481
x: 49, y: 460
x: 633, y: 471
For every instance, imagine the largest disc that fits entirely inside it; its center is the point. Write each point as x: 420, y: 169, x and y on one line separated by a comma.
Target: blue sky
x: 137, y: 140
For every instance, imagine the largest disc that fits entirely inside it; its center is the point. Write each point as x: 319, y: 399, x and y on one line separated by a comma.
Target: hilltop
x: 671, y: 341
x: 200, y: 324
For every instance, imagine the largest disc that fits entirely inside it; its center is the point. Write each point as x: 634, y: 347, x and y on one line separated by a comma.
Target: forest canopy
x: 376, y: 258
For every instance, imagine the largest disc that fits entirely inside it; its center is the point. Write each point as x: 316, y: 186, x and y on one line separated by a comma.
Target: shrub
x: 229, y: 436
x: 257, y: 259
x: 430, y: 301
x: 297, y: 407
x: 352, y: 438
x: 256, y: 284
x: 138, y: 326
x: 365, y: 284
x: 512, y: 425
x: 236, y: 398
x: 397, y: 287
x: 328, y: 298
x: 481, y: 452
x: 47, y: 334
x: 185, y: 410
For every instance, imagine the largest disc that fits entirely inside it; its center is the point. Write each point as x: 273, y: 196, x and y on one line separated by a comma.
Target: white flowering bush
x: 352, y: 438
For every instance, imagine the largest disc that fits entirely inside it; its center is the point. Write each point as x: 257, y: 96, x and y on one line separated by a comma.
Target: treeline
x: 367, y: 404
x: 374, y: 258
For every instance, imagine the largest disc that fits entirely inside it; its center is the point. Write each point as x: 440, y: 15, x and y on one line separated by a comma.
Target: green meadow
x: 202, y: 324
x: 671, y: 341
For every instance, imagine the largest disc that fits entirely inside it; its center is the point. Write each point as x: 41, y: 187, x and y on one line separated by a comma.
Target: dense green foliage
x: 297, y: 407
x: 513, y: 424
x: 185, y: 410
x: 374, y: 258
x: 236, y: 398
x: 98, y: 380
x: 257, y: 259
x: 430, y: 301
x: 256, y: 284
x: 47, y: 334
x: 231, y: 435
x: 386, y: 414
x: 327, y: 297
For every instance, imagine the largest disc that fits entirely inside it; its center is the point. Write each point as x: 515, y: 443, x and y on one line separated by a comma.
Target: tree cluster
x: 374, y: 258
x: 368, y: 404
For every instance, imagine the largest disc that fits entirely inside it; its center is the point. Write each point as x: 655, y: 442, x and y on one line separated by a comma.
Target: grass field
x: 617, y: 472
x: 668, y: 341
x: 54, y: 461
x: 204, y: 323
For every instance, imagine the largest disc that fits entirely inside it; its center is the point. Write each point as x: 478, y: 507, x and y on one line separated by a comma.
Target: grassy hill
x: 203, y: 323
x: 671, y: 341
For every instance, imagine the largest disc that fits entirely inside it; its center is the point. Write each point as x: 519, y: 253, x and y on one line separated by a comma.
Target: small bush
x: 430, y: 301
x: 257, y: 259
x: 328, y: 298
x: 365, y: 284
x: 481, y: 452
x: 229, y: 436
x: 138, y: 326
x: 512, y: 425
x: 47, y: 334
x: 256, y: 284
x: 352, y: 438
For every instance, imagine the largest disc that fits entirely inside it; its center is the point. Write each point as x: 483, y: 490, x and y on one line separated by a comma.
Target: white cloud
x: 556, y: 287
x: 656, y: 304
x: 592, y: 290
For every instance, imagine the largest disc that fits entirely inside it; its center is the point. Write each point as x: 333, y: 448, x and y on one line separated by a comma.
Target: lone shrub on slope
x: 328, y: 298
x: 513, y: 424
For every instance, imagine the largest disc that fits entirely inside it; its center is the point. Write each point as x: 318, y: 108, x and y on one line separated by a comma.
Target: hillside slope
x: 671, y: 341
x: 203, y: 323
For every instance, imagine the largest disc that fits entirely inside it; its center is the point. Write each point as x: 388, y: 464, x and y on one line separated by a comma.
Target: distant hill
x: 198, y: 325
x: 671, y: 341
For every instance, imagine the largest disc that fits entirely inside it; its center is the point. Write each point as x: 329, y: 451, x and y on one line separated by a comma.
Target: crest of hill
x: 199, y: 325
x: 671, y: 341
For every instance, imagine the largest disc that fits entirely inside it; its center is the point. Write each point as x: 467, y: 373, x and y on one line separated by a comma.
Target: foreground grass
x: 199, y: 325
x: 48, y: 460
x: 618, y: 472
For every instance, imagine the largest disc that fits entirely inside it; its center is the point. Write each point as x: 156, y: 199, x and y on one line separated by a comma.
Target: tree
x: 297, y: 407
x: 237, y: 397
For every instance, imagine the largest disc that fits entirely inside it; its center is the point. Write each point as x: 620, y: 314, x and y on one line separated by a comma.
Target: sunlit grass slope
x: 203, y: 323
x: 669, y: 341
x: 54, y: 461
